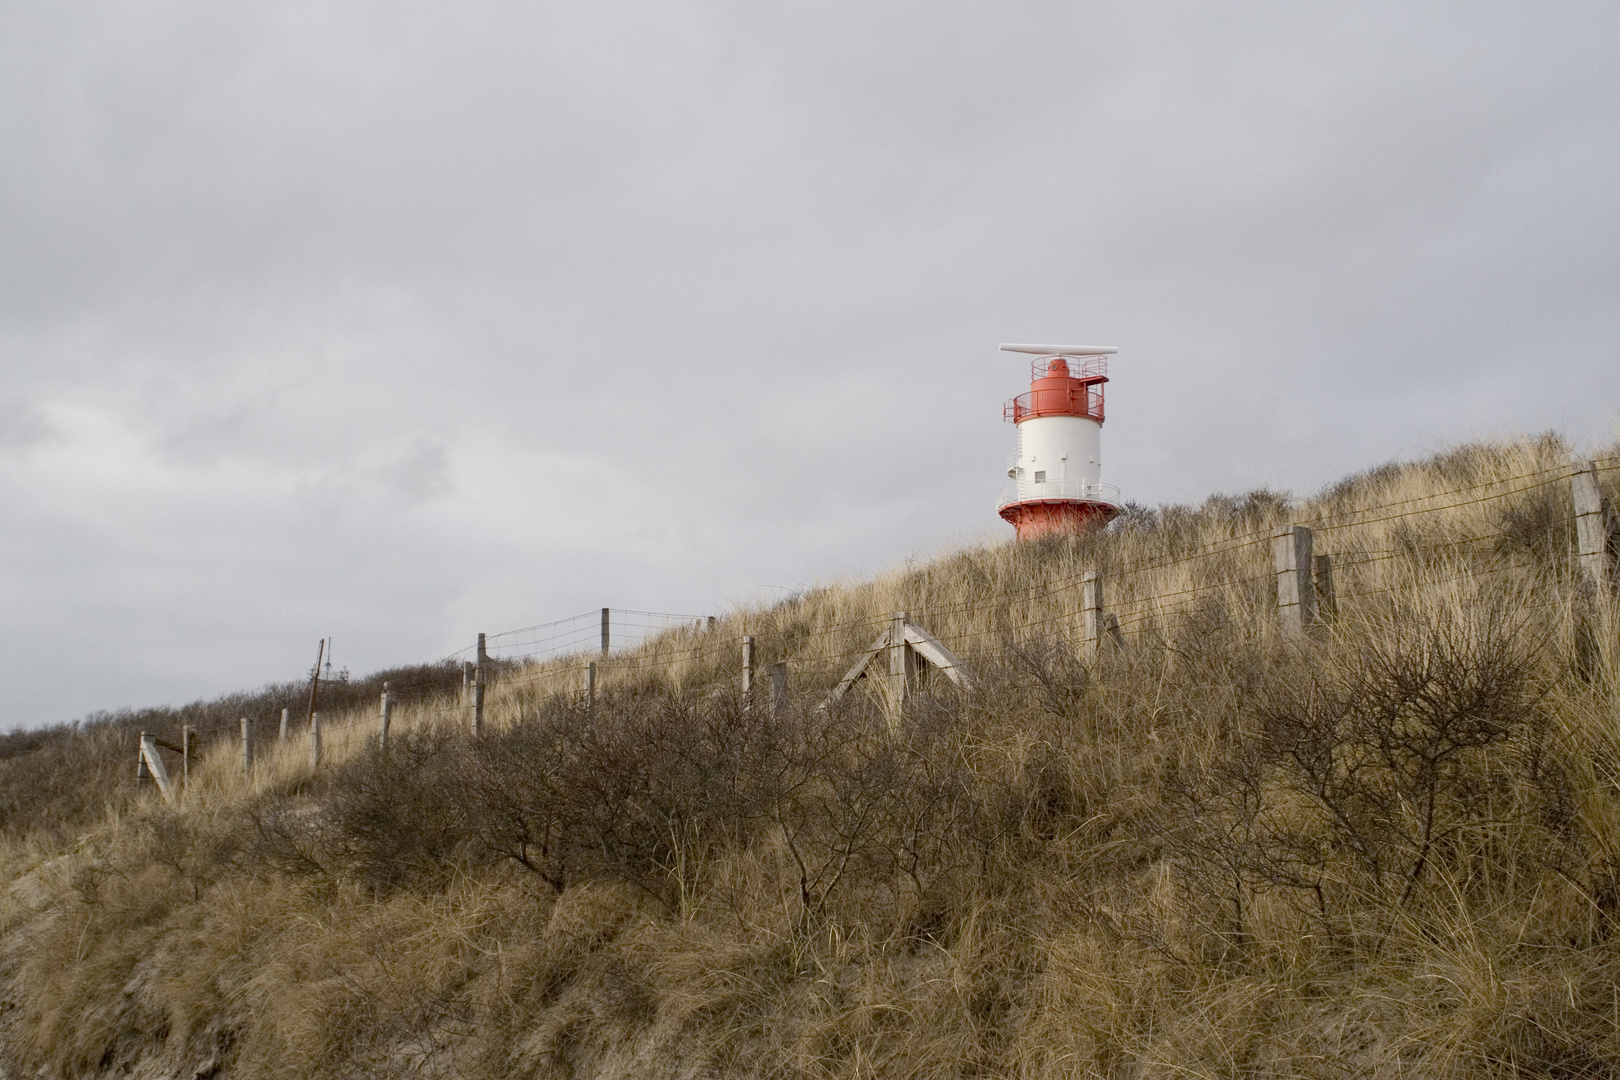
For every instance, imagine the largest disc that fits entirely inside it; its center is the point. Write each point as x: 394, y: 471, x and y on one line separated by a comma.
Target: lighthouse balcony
x: 1058, y: 491
x: 1074, y: 399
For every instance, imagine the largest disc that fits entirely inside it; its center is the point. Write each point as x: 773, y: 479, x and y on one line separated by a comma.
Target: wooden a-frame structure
x: 910, y: 651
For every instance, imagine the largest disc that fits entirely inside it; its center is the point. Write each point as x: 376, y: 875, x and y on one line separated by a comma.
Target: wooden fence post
x: 247, y: 746
x: 141, y: 772
x: 314, y: 740
x: 283, y: 733
x: 779, y: 691
x: 747, y: 666
x: 590, y: 692
x: 1091, y: 610
x: 385, y: 719
x: 188, y: 740
x: 901, y: 665
x: 478, y: 688
x: 1597, y: 532
x: 606, y: 614
x: 1296, y: 590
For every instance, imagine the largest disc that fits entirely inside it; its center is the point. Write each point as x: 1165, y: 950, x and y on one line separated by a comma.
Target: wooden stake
x: 188, y: 740
x: 282, y: 734
x: 747, y: 666
x: 605, y: 612
x: 385, y: 719
x: 141, y: 772
x: 590, y: 692
x: 247, y: 746
x: 314, y: 740
x: 1296, y: 591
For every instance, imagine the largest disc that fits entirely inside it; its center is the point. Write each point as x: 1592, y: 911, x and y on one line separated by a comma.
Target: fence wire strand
x: 542, y: 656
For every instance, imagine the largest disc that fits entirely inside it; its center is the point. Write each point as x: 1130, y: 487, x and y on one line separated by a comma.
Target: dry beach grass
x: 1392, y: 850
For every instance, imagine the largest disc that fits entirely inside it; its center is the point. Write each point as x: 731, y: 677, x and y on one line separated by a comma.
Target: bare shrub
x: 399, y: 818
x: 1362, y: 775
x: 645, y: 793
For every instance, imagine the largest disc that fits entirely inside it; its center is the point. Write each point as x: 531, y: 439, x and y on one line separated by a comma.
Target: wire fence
x: 606, y: 630
x: 561, y: 656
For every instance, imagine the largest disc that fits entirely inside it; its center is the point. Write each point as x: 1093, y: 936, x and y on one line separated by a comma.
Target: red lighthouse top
x: 1059, y: 388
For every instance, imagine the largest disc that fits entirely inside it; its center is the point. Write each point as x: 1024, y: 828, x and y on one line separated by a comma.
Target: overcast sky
x: 399, y: 321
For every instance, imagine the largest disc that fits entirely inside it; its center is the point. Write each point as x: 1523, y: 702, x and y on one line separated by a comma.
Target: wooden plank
x: 934, y: 651
x: 858, y: 670
x: 154, y: 765
x: 1111, y: 625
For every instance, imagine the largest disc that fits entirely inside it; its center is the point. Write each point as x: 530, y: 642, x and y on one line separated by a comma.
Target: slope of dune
x: 1388, y: 848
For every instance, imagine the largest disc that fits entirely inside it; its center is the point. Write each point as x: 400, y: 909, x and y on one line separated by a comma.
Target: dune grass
x: 1390, y: 850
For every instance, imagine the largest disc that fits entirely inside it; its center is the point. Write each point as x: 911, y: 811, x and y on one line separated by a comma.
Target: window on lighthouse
x: 1040, y: 476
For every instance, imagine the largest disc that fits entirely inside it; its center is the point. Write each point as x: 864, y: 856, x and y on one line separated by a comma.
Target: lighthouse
x: 1057, y: 482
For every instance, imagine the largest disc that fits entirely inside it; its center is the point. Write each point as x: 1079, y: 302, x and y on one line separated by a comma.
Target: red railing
x: 1073, y: 386
x: 1080, y: 367
x: 1086, y: 400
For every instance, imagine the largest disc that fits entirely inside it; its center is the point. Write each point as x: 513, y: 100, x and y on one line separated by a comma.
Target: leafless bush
x: 644, y: 792
x: 1358, y: 777
x: 399, y: 817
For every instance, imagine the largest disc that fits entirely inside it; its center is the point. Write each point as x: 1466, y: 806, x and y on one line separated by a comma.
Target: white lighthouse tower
x: 1057, y: 482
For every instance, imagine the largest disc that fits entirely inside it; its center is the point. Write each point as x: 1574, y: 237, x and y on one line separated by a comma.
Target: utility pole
x: 315, y: 679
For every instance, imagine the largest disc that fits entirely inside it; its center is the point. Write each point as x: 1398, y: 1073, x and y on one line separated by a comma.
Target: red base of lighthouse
x: 1039, y: 517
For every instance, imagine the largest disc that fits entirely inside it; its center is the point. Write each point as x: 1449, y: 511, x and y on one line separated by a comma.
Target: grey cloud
x: 22, y: 425
x: 420, y: 471
x: 446, y: 317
